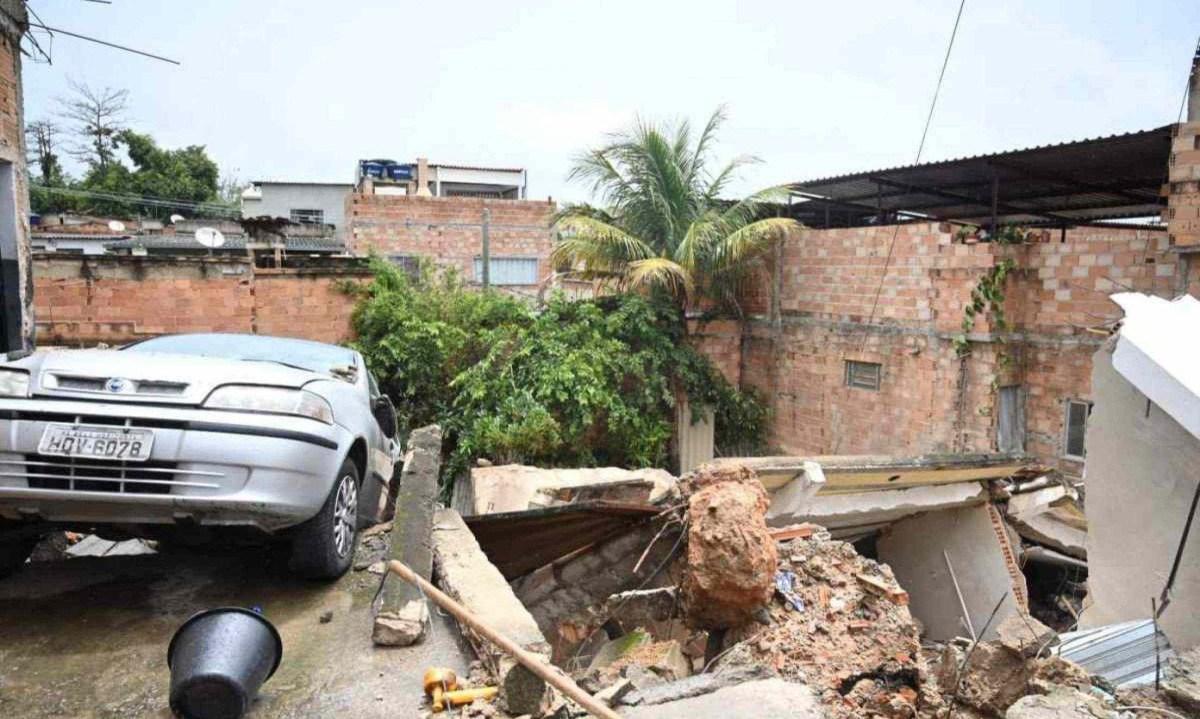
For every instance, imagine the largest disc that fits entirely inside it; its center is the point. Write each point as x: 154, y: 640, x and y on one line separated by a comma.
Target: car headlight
x: 247, y: 398
x: 14, y: 383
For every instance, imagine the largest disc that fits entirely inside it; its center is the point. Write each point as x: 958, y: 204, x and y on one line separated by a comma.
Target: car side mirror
x: 385, y: 415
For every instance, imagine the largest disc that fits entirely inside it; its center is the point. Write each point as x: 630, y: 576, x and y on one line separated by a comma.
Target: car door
x: 384, y: 450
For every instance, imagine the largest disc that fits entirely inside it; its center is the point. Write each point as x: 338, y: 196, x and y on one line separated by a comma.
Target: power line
x: 104, y: 42
x: 209, y: 207
x: 887, y: 263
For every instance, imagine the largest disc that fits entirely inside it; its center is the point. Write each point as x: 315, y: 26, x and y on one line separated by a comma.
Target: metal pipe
x: 486, y: 261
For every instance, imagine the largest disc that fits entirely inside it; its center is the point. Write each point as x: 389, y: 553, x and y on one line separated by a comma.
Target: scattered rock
x: 731, y: 559
x: 401, y: 628
x: 326, y: 617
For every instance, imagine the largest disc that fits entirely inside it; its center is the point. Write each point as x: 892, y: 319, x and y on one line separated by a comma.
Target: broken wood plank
x: 794, y: 531
x: 865, y: 473
x: 877, y: 586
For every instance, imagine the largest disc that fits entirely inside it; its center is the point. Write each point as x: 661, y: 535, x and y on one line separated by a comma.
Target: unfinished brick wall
x: 448, y: 229
x: 83, y: 301
x: 929, y: 399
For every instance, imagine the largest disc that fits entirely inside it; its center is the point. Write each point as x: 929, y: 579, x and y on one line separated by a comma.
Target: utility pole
x: 487, y: 254
x: 1193, y: 109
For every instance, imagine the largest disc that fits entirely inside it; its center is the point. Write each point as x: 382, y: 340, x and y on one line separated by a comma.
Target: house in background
x: 420, y: 178
x: 305, y: 203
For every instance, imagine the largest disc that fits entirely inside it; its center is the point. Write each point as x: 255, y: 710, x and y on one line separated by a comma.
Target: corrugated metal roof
x: 184, y: 242
x: 77, y: 236
x: 1112, y: 177
x: 1124, y: 654
x: 477, y: 168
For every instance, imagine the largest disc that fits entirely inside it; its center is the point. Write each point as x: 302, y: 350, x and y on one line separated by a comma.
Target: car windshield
x: 302, y: 354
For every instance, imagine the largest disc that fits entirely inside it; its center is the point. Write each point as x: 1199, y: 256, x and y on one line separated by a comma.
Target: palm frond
x: 596, y: 245
x: 751, y: 241
x: 662, y: 273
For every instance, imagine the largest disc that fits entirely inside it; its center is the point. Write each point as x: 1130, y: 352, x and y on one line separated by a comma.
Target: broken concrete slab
x: 1051, y: 517
x: 695, y: 685
x: 515, y: 488
x: 1063, y: 703
x: 465, y: 574
x: 849, y: 516
x: 916, y: 548
x: 401, y: 614
x: 1023, y: 635
x: 765, y: 699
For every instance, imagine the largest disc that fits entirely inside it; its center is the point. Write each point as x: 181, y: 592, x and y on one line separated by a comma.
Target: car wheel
x: 323, y: 547
x: 13, y: 554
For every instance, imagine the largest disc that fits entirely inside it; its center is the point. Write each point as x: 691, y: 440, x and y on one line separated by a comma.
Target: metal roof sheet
x: 1119, y: 176
x: 236, y: 242
x: 1124, y: 654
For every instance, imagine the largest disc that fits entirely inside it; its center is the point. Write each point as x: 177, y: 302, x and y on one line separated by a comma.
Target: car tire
x: 13, y: 554
x: 323, y: 547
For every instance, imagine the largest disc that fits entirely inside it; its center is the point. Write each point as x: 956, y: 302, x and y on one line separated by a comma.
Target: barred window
x: 863, y: 375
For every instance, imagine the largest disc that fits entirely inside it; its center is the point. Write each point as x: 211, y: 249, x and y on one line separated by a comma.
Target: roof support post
x: 995, y: 201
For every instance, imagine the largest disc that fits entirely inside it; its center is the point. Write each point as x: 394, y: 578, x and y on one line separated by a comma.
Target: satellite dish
x: 116, y: 225
x: 177, y: 218
x: 210, y: 237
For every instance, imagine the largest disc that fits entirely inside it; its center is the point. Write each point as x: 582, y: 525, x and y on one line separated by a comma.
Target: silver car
x: 174, y: 436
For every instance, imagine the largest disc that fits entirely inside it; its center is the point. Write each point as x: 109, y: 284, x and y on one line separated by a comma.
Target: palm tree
x: 664, y: 229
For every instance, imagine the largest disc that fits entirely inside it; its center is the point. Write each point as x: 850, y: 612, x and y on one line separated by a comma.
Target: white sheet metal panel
x: 1124, y: 654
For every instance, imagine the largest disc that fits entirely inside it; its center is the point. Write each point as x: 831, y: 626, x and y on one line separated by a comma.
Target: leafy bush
x: 579, y: 383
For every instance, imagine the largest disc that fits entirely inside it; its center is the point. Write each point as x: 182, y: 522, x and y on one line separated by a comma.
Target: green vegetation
x: 663, y: 229
x: 579, y: 383
x: 987, y: 298
x: 93, y: 120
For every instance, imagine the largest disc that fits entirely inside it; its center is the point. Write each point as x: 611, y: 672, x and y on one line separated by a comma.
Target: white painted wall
x: 278, y: 199
x: 913, y: 548
x: 1142, y: 470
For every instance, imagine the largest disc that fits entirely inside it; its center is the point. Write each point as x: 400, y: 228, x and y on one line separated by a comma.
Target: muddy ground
x: 88, y: 637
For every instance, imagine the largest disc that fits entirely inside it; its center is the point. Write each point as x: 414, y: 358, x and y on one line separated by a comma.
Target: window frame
x: 319, y: 214
x: 848, y: 374
x: 477, y: 269
x: 1066, y: 432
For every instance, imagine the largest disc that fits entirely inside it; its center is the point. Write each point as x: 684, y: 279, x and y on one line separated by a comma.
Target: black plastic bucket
x: 218, y: 660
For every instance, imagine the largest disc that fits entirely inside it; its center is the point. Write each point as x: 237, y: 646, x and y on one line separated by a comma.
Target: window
x: 509, y: 270
x: 308, y: 217
x: 1075, y: 429
x: 408, y: 264
x: 864, y: 375
x: 1010, y: 424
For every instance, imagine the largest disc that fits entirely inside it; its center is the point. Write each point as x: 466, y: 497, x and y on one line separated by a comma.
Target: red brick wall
x: 930, y: 400
x: 120, y: 299
x: 721, y: 342
x: 447, y: 229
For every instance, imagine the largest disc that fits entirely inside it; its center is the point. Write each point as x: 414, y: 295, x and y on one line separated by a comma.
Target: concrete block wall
x: 929, y: 399
x: 447, y: 229
x: 82, y: 302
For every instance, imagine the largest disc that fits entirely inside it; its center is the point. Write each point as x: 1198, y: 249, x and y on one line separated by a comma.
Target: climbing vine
x: 987, y: 298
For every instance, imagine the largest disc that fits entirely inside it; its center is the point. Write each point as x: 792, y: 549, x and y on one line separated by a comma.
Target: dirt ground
x: 88, y: 637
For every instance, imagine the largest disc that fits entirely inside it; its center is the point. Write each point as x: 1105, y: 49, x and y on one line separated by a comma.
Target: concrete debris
x: 856, y: 648
x: 1182, y: 682
x: 731, y: 559
x: 399, y: 620
x: 1024, y: 636
x: 763, y: 699
x: 1062, y: 703
x: 1051, y: 517
x: 515, y: 488
x: 661, y: 693
x: 373, y: 544
x: 465, y: 574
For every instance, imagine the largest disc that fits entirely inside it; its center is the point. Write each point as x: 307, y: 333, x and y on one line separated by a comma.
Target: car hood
x: 134, y: 376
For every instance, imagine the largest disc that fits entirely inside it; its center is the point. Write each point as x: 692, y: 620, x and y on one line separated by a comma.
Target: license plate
x: 74, y: 440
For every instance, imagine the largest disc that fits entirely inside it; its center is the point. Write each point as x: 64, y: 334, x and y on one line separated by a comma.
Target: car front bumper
x: 206, y: 467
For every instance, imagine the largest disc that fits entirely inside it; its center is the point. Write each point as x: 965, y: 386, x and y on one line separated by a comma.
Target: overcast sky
x: 299, y: 89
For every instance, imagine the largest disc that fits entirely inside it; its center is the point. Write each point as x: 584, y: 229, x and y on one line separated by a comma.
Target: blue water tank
x: 372, y: 168
x: 402, y: 173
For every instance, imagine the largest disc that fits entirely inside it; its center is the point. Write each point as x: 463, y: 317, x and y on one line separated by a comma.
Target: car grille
x: 83, y: 383
x: 91, y: 475
x: 94, y: 419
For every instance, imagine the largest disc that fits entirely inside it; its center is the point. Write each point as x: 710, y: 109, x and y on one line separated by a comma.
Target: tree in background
x: 96, y: 117
x: 664, y: 228
x: 41, y: 138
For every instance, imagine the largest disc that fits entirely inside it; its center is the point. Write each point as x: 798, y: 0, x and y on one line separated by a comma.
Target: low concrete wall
x: 913, y: 548
x: 1142, y: 471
